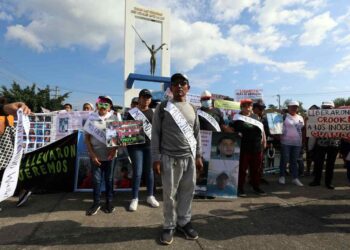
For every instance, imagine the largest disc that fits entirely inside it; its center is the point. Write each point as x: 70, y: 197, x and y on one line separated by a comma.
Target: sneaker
x: 282, y: 180
x: 259, y: 191
x: 297, y: 182
x: 314, y: 184
x: 133, y: 204
x: 23, y: 198
x: 109, y: 208
x: 166, y: 237
x: 188, y: 231
x: 151, y: 200
x: 241, y: 193
x: 93, y: 209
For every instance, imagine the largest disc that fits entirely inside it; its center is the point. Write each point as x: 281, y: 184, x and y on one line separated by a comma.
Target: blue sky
x: 299, y: 49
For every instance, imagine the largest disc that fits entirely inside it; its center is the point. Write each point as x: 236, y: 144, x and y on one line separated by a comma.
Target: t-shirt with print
x: 292, y: 130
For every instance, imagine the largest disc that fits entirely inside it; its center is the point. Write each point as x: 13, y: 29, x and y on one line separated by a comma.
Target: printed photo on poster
x: 125, y: 132
x: 275, y: 122
x: 223, y: 168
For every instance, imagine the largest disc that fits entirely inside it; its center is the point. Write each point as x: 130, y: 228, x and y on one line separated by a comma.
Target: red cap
x: 244, y: 101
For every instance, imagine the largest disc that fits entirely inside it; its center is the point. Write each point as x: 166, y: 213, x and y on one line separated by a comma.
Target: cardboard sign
x: 328, y: 123
x: 124, y: 132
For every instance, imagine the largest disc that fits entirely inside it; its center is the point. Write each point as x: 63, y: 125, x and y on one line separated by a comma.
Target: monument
x: 135, y: 11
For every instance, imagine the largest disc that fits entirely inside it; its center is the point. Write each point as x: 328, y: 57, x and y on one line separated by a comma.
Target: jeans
x: 98, y: 172
x: 141, y: 160
x: 289, y: 154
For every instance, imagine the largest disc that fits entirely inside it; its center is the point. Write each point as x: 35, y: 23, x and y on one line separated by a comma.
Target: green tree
x: 341, y: 102
x: 33, y: 96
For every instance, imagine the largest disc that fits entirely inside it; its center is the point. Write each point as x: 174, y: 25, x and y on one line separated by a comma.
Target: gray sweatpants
x: 178, y: 180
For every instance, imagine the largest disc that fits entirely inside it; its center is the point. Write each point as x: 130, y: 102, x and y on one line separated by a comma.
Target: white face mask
x: 206, y: 103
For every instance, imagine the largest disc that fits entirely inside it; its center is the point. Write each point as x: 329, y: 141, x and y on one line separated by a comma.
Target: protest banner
x: 52, y: 167
x: 328, y: 123
x: 275, y: 122
x: 83, y: 173
x: 223, y: 165
x: 253, y: 94
x: 124, y: 132
x: 10, y: 176
x: 201, y: 184
x: 227, y: 108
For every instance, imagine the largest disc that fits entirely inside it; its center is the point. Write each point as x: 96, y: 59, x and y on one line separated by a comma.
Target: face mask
x: 206, y: 103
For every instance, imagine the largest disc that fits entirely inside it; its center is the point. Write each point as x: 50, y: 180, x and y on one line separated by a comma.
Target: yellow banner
x: 224, y: 104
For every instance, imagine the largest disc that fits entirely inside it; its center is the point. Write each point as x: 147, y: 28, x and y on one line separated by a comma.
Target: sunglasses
x: 101, y: 105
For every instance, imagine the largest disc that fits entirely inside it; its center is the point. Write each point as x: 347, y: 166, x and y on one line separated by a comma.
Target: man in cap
x: 176, y: 153
x: 323, y: 147
x: 247, y: 123
x: 210, y: 118
x: 291, y: 142
x: 258, y: 109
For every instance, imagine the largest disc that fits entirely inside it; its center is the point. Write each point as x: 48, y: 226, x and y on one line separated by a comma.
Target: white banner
x: 249, y: 120
x: 248, y: 93
x: 10, y: 178
x: 210, y: 119
x: 139, y: 116
x: 328, y: 123
x: 182, y: 123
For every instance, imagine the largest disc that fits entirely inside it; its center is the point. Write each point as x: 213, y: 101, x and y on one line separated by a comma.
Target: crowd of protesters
x: 173, y: 149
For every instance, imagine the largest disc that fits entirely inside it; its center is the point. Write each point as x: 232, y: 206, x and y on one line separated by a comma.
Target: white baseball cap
x: 328, y: 104
x: 206, y: 93
x: 293, y: 103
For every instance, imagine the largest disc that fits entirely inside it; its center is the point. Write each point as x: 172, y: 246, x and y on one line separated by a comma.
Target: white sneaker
x: 282, y: 180
x: 297, y: 182
x: 152, y: 201
x: 133, y: 204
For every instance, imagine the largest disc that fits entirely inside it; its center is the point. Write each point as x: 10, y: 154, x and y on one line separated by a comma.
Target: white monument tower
x: 133, y: 11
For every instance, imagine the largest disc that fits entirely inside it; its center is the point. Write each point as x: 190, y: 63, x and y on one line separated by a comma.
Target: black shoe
x: 329, y: 186
x: 259, y: 191
x: 264, y: 181
x: 93, y: 209
x: 241, y: 193
x: 314, y: 184
x: 23, y: 198
x: 109, y: 208
x: 188, y: 231
x: 166, y: 237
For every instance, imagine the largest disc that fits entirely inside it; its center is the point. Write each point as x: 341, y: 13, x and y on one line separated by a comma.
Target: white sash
x: 182, y: 123
x: 91, y: 128
x: 10, y: 178
x: 210, y: 119
x: 249, y: 120
x: 139, y: 116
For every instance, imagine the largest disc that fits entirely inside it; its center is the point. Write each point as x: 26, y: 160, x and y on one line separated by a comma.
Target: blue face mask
x: 206, y: 103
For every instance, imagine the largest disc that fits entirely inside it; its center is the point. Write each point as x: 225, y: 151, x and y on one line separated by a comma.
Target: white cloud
x: 95, y: 25
x: 4, y: 16
x: 316, y: 29
x: 18, y: 32
x: 228, y: 10
x: 291, y: 12
x: 343, y: 65
x: 266, y: 39
x: 342, y: 34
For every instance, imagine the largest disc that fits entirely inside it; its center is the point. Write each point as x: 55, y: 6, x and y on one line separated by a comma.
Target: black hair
x: 68, y: 104
x: 221, y: 176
